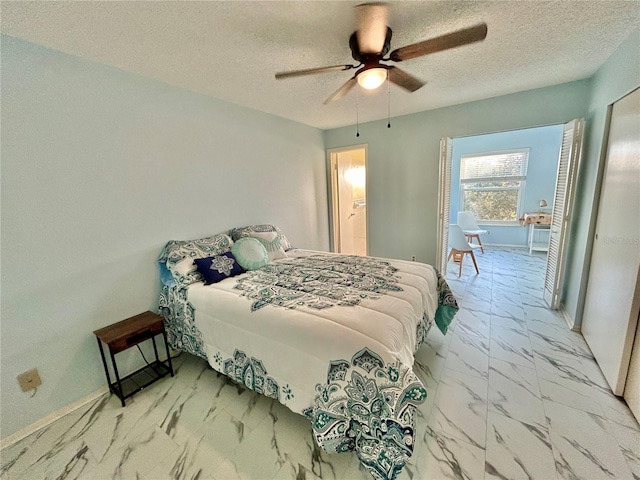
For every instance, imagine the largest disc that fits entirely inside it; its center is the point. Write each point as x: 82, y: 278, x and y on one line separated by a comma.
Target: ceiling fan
x: 371, y: 42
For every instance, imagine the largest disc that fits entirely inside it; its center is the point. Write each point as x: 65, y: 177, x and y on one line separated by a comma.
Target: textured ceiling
x: 231, y: 50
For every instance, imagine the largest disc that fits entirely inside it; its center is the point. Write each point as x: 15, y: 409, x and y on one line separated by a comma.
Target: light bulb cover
x: 543, y: 203
x: 372, y: 78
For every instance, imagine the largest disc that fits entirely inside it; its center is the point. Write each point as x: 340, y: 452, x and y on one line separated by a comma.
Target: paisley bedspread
x: 329, y: 336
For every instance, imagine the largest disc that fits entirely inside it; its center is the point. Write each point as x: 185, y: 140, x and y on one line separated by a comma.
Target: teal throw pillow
x: 250, y: 253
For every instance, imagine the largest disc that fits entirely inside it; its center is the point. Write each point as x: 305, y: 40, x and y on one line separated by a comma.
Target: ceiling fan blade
x: 342, y: 91
x: 444, y: 42
x: 403, y: 79
x: 372, y: 26
x: 311, y: 71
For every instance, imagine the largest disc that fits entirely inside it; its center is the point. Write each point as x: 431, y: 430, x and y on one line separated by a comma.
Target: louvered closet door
x: 444, y: 202
x: 562, y: 207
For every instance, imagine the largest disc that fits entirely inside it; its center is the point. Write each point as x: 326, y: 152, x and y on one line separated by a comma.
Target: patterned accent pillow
x: 185, y: 267
x: 240, y: 232
x: 217, y: 268
x: 271, y: 242
x: 250, y: 253
x: 176, y: 251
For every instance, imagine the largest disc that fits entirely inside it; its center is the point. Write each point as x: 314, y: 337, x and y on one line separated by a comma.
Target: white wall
x: 99, y: 169
x: 402, y: 167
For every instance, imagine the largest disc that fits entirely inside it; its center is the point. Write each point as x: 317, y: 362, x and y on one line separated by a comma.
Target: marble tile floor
x: 513, y: 394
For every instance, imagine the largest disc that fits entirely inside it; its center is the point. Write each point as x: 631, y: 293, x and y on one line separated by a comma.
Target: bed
x: 329, y: 336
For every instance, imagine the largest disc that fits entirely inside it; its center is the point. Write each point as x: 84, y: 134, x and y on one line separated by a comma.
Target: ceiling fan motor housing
x: 368, y: 58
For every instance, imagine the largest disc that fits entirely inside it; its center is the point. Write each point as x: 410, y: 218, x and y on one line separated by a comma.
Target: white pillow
x: 239, y: 232
x: 184, y: 252
x: 271, y: 242
x: 185, y: 266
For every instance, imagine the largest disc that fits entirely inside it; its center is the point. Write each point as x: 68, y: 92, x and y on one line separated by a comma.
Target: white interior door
x: 568, y: 163
x: 611, y: 302
x: 349, y: 200
x: 444, y: 202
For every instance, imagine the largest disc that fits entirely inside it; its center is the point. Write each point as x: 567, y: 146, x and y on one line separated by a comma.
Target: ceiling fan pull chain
x: 388, y: 102
x: 357, y: 116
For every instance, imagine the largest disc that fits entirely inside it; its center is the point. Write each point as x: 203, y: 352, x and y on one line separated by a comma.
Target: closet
x: 612, y: 302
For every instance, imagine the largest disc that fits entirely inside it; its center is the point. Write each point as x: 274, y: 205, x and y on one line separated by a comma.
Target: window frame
x: 520, y: 178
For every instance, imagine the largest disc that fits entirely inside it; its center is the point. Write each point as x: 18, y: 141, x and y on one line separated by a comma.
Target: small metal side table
x: 129, y: 333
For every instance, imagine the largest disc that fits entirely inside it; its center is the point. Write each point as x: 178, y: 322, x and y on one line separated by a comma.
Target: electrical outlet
x: 29, y: 380
x: 413, y: 258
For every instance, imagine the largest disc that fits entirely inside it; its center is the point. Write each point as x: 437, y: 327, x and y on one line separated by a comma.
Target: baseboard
x: 49, y: 419
x: 567, y: 318
x: 504, y: 245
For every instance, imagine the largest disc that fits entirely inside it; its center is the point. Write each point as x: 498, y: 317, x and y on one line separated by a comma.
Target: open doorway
x: 546, y: 158
x: 348, y: 174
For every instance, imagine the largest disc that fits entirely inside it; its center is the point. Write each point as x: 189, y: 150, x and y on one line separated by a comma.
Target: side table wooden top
x: 128, y: 327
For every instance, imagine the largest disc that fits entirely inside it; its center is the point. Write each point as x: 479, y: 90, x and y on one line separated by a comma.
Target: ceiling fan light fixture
x: 372, y: 78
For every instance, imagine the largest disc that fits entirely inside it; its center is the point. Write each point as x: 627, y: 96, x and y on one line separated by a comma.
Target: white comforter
x: 296, y: 343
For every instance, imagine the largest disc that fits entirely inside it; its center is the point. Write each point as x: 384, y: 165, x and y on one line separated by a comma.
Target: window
x: 491, y: 185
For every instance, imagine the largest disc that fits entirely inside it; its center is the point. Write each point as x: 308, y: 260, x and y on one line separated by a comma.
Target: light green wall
x: 99, y: 169
x: 618, y: 76
x: 402, y: 188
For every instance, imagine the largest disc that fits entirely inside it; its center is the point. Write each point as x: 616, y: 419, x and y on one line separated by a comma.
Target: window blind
x: 512, y: 165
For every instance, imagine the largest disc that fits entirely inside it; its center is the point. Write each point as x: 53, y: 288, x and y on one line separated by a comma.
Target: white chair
x: 460, y: 246
x: 470, y: 227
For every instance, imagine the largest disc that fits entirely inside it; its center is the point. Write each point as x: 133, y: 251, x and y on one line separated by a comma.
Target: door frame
x: 332, y: 193
x: 444, y: 203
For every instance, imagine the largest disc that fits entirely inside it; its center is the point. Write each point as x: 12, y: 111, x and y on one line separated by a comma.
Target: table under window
x: 536, y: 222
